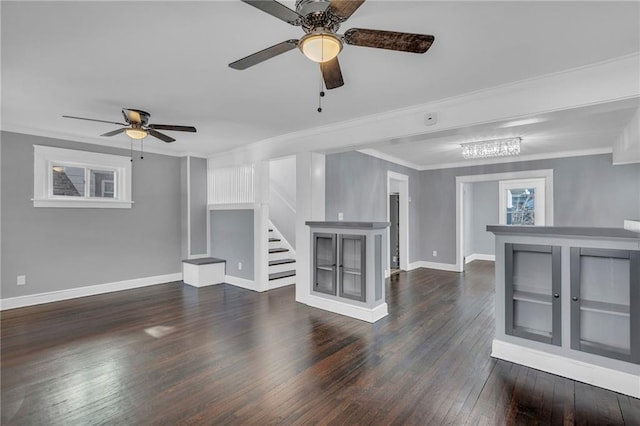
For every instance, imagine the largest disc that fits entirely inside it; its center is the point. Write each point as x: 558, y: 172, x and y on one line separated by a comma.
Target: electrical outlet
x: 239, y: 266
x: 340, y: 216
x: 435, y: 253
x: 22, y: 280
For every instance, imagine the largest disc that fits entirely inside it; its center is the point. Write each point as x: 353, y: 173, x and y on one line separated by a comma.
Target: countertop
x: 348, y: 225
x: 569, y: 231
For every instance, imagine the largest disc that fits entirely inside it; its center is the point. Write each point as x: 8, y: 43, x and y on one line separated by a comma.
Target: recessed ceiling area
x: 92, y: 59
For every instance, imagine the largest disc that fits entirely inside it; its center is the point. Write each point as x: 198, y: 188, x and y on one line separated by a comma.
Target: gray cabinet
x: 324, y: 263
x: 605, y: 294
x: 532, y: 292
x: 352, y: 267
x: 339, y: 262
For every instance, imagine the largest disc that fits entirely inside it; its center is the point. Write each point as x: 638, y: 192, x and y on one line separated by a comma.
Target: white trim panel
x: 240, y: 282
x: 434, y: 265
x: 476, y: 256
x: 72, y: 293
x: 617, y: 381
x: 357, y: 312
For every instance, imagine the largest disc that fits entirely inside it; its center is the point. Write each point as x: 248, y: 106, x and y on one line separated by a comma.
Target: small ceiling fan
x: 320, y: 20
x: 137, y: 126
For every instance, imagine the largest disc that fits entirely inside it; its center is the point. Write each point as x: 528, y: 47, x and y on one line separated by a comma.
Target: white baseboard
x: 617, y: 381
x: 240, y: 282
x: 476, y: 256
x: 357, y: 312
x: 434, y: 265
x: 72, y: 293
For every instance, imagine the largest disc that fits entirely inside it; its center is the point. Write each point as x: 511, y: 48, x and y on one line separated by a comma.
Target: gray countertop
x: 348, y: 225
x: 570, y: 231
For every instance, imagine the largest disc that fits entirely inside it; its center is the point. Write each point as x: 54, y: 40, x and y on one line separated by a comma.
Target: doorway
x: 398, y: 242
x: 394, y: 232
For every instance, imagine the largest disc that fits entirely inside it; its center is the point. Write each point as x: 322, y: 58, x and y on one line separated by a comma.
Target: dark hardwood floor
x: 173, y: 354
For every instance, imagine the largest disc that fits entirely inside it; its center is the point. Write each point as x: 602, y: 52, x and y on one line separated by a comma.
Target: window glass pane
x: 102, y: 183
x: 68, y: 181
x: 521, y: 206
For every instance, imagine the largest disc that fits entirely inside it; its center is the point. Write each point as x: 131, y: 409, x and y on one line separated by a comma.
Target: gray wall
x: 232, y: 240
x: 282, y: 191
x: 484, y: 211
x: 198, y: 207
x: 356, y: 184
x: 64, y: 248
x: 588, y: 191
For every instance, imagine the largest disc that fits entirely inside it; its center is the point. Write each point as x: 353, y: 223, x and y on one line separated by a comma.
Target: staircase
x: 282, y: 262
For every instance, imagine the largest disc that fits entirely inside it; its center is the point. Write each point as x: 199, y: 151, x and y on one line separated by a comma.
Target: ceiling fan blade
x: 161, y: 136
x: 332, y: 74
x: 404, y: 42
x: 93, y: 119
x: 343, y: 9
x: 172, y: 127
x: 277, y: 10
x: 114, y: 132
x: 263, y: 55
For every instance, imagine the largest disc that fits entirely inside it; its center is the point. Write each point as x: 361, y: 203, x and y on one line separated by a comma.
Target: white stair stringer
x: 288, y: 269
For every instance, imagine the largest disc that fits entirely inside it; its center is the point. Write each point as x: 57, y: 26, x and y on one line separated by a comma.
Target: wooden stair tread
x: 281, y: 262
x: 274, y: 240
x: 278, y: 250
x: 283, y: 274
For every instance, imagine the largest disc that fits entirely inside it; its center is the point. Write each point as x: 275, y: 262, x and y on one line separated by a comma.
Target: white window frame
x: 45, y: 157
x: 537, y: 183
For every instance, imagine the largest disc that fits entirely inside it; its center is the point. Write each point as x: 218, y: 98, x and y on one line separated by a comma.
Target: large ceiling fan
x: 320, y: 20
x: 137, y: 126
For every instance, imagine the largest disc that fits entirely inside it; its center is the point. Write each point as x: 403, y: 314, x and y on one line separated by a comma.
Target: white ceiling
x: 91, y: 59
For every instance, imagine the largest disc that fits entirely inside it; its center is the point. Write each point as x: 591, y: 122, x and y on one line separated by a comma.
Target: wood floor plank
x: 174, y: 354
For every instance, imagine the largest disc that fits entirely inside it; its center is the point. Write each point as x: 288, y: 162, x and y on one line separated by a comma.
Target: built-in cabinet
x: 605, y: 297
x: 532, y: 292
x: 568, y: 302
x: 339, y: 263
x: 347, y: 268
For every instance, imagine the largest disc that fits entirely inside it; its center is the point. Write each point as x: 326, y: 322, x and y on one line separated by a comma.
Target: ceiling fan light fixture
x: 320, y: 47
x: 137, y: 134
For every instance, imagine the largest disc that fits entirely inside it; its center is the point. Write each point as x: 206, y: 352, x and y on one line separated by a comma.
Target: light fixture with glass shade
x: 320, y: 46
x: 136, y: 133
x: 491, y: 148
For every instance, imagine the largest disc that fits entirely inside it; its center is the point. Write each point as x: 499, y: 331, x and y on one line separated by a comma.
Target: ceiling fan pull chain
x: 141, y: 148
x: 321, y: 94
x: 131, y: 145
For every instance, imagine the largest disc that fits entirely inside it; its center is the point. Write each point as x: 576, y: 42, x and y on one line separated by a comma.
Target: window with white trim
x: 72, y: 178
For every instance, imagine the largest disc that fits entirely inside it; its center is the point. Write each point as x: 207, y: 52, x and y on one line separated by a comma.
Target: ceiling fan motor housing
x: 317, y: 15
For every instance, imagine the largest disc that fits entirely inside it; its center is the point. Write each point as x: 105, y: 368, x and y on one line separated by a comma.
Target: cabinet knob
x: 574, y: 298
x: 556, y: 295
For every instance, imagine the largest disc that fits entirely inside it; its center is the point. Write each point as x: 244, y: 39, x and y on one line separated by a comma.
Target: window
x: 70, y: 178
x: 522, y: 202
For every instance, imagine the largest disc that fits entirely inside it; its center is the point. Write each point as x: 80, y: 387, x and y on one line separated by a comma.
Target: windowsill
x: 101, y: 204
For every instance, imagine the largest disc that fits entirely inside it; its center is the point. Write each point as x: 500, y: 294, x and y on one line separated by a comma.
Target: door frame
x: 403, y: 218
x: 547, y: 174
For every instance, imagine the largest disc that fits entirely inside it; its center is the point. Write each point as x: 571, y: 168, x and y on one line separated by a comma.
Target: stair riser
x: 281, y: 282
x: 281, y: 268
x: 278, y: 256
x: 275, y: 244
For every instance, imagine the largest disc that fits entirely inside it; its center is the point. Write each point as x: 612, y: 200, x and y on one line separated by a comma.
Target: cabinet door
x: 532, y: 292
x: 605, y: 287
x: 324, y: 263
x: 352, y: 267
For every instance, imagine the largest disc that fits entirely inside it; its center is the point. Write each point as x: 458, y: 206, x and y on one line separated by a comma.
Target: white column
x: 261, y: 226
x: 310, y: 205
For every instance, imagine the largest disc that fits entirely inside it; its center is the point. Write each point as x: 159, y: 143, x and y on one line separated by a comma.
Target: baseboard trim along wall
x: 476, y: 256
x: 72, y: 293
x: 617, y: 381
x: 357, y: 312
x: 240, y: 282
x: 433, y: 265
